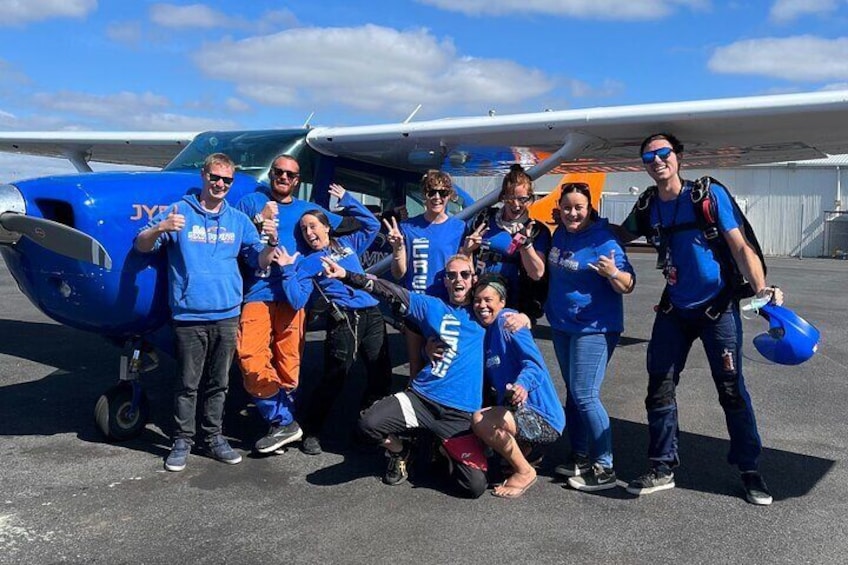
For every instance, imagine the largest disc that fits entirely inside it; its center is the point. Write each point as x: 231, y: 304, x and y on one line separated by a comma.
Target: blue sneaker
x: 219, y: 449
x: 176, y: 460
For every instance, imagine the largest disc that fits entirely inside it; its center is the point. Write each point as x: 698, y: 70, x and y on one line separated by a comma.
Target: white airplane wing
x: 715, y: 133
x: 151, y: 149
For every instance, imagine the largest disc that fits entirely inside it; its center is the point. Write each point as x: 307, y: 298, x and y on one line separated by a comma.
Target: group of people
x: 469, y: 297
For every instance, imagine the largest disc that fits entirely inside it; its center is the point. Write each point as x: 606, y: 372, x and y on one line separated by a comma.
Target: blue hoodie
x: 298, y: 280
x: 203, y: 271
x: 267, y: 287
x: 515, y: 358
x: 579, y: 299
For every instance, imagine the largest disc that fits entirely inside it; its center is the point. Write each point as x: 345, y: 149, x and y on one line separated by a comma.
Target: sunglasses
x: 453, y: 275
x: 441, y: 193
x: 215, y: 178
x: 518, y: 199
x: 280, y: 173
x: 663, y: 153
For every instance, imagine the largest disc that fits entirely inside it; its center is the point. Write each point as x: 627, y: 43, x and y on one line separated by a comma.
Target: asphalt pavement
x: 69, y: 496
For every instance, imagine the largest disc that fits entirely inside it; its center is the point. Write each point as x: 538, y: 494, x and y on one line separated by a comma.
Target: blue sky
x: 145, y: 65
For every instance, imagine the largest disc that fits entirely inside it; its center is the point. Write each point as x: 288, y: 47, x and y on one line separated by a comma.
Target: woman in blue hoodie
x: 355, y: 324
x: 588, y: 273
x: 528, y: 410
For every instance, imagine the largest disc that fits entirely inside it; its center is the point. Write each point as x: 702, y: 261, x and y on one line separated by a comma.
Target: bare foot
x: 515, y: 485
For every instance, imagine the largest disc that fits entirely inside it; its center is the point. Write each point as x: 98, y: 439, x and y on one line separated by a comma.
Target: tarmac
x: 69, y: 496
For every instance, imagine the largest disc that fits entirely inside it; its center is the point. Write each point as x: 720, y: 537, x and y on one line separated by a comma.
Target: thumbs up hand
x: 173, y: 222
x: 270, y: 210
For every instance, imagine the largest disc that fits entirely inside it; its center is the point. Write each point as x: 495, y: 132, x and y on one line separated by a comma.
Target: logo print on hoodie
x: 212, y: 235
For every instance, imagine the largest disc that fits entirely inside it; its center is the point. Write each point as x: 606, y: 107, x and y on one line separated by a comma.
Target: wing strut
x: 79, y: 159
x: 574, y: 144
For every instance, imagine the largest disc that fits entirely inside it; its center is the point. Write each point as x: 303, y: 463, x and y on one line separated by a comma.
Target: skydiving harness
x: 705, y: 210
x: 349, y: 316
x: 532, y: 293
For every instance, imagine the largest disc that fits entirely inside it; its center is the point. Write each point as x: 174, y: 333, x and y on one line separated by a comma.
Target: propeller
x: 58, y: 238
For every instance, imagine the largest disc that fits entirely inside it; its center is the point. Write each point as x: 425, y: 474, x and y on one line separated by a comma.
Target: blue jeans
x: 583, y: 361
x: 671, y: 339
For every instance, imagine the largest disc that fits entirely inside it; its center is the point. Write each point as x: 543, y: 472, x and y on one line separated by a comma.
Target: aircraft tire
x: 111, y: 413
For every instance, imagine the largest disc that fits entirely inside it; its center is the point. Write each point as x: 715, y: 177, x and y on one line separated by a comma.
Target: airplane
x: 67, y: 240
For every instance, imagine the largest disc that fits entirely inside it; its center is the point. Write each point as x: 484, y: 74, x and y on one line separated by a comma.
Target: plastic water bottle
x: 752, y: 308
x: 525, y: 419
x: 528, y: 423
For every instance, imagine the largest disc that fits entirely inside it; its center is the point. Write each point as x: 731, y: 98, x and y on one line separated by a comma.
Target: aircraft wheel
x: 113, y: 413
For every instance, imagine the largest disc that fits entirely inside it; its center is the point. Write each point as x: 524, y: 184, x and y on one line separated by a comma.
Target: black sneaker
x: 277, y: 437
x: 311, y: 445
x: 219, y: 449
x: 575, y: 466
x: 756, y: 491
x: 397, y: 470
x: 599, y: 478
x: 178, y: 456
x: 653, y: 481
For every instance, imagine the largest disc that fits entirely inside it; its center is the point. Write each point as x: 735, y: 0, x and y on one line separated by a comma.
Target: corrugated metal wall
x: 785, y: 205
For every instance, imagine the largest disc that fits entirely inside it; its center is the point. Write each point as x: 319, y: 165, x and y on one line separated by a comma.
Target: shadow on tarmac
x: 63, y: 402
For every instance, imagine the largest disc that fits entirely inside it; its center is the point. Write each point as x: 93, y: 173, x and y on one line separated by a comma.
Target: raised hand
x: 282, y: 258
x: 606, y: 266
x: 173, y: 222
x: 337, y: 190
x: 270, y: 210
x: 333, y: 270
x: 394, y: 237
x: 474, y: 240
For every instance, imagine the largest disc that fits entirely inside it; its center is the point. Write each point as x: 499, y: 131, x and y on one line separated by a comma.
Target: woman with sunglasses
x: 421, y: 247
x: 588, y: 273
x: 355, y: 326
x: 507, y: 242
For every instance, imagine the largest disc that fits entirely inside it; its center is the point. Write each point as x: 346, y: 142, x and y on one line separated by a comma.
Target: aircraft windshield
x: 252, y: 151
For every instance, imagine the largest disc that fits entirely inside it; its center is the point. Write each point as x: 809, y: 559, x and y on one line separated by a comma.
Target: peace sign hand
x: 394, y: 236
x: 474, y: 240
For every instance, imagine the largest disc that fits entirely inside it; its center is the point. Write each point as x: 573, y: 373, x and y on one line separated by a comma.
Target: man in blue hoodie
x: 204, y: 238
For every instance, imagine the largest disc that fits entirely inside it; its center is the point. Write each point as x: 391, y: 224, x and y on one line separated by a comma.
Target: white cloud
x: 237, y: 105
x: 799, y: 58
x: 369, y: 68
x: 588, y: 9
x: 128, y: 33
x: 128, y: 110
x: 193, y: 15
x: 204, y: 17
x: 784, y: 11
x: 15, y: 12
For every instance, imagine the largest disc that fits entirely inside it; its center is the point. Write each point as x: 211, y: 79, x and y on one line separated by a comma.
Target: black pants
x: 363, y: 333
x: 407, y: 411
x: 204, y: 355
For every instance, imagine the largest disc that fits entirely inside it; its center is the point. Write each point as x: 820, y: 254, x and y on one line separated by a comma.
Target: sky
x: 113, y: 65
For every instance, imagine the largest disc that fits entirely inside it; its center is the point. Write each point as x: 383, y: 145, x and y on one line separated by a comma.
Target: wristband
x: 614, y: 275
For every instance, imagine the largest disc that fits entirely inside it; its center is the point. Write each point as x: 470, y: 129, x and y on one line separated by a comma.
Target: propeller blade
x: 58, y: 238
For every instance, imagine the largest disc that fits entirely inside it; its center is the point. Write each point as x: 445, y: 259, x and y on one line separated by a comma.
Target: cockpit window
x: 252, y: 151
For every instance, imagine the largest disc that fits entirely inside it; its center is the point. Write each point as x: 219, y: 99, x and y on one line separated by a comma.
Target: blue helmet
x: 790, y: 339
